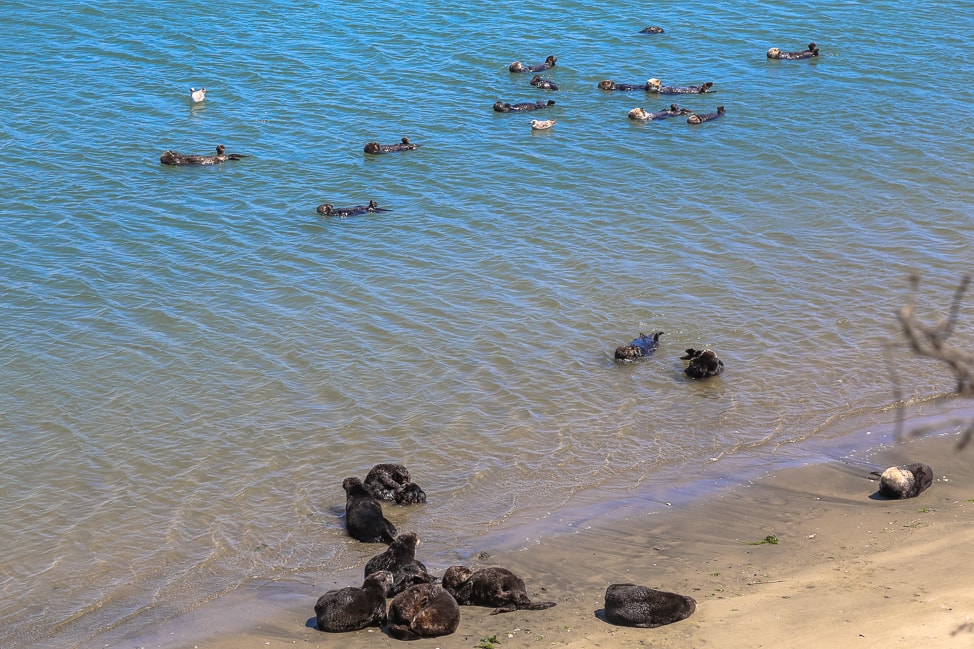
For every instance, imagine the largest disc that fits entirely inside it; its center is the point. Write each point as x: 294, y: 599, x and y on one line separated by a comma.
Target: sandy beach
x: 849, y: 569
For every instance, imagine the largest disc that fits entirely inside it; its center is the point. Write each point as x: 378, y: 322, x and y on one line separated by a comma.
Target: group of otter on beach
x: 423, y: 606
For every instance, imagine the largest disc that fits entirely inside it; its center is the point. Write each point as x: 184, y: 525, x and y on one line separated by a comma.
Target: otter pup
x: 654, y: 29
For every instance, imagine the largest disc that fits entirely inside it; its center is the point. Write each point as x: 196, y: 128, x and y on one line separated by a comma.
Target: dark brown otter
x: 172, y: 158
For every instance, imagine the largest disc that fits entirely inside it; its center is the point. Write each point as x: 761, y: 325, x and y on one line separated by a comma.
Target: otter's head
x: 606, y: 85
x: 653, y: 85
x: 774, y: 53
x: 516, y: 67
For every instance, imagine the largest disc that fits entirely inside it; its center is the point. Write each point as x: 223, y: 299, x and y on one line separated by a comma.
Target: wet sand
x: 849, y: 569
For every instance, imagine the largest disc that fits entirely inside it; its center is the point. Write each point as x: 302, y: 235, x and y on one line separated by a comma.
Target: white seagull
x: 541, y: 124
x: 197, y: 95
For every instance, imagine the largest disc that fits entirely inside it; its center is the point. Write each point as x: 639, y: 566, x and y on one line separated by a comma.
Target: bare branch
x: 933, y: 341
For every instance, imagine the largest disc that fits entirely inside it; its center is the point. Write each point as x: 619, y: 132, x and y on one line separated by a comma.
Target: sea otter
x: 775, y: 53
x: 502, y: 107
x: 639, y: 347
x: 423, y: 611
x: 173, y: 158
x: 655, y: 85
x: 697, y: 118
x: 703, y: 363
x: 363, y: 515
x: 498, y: 587
x: 624, y: 87
x: 654, y: 29
x: 351, y: 608
x: 539, y: 82
x: 642, y: 114
x: 390, y: 482
x: 517, y: 66
x: 906, y: 480
x: 645, y: 608
x: 400, y: 560
x: 327, y: 209
x: 405, y: 145
x: 197, y: 95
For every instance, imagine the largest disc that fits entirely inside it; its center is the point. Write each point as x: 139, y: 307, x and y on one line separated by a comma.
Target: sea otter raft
x: 775, y: 53
x: 172, y: 158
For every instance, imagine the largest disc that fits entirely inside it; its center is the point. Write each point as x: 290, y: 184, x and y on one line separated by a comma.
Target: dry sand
x: 849, y: 569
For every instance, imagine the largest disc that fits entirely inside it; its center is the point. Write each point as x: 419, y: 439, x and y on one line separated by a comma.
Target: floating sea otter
x: 703, y: 363
x: 197, y: 95
x: 696, y: 118
x: 173, y: 158
x: 492, y: 586
x: 502, y: 107
x: 327, y: 209
x: 623, y: 87
x: 539, y: 82
x: 639, y: 347
x: 775, y: 53
x: 906, y: 480
x: 645, y: 608
x: 405, y: 145
x: 655, y: 85
x: 642, y: 114
x: 549, y: 63
x: 654, y: 29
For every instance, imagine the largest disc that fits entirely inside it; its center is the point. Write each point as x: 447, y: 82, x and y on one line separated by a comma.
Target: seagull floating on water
x: 541, y: 124
x: 197, y: 95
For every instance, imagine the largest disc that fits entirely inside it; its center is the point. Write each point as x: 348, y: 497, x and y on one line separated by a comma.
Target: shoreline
x: 848, y: 566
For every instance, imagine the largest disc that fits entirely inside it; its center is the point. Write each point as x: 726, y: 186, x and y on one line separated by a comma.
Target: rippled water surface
x: 193, y: 359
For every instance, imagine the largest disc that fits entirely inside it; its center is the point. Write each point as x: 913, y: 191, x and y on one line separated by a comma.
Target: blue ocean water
x: 193, y: 358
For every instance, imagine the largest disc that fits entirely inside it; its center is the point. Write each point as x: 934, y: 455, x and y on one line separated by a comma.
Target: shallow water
x: 193, y: 358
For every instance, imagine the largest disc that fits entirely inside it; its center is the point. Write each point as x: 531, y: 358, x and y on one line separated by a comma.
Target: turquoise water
x: 193, y: 359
